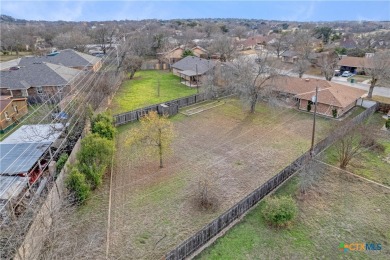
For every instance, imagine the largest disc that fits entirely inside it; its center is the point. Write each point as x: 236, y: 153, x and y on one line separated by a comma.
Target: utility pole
x: 197, y: 81
x: 117, y: 56
x: 314, y: 99
x: 158, y: 87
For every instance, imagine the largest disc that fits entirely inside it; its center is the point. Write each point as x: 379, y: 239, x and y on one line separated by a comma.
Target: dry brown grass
x: 154, y: 210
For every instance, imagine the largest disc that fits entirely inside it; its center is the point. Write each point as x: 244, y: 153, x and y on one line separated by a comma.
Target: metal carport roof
x: 21, y: 157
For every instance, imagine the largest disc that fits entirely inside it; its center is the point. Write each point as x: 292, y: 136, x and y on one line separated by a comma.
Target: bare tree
x: 210, y: 29
x: 328, y: 63
x: 13, y: 40
x: 206, y: 198
x: 357, y: 140
x: 301, y: 66
x: 252, y: 79
x: 188, y: 36
x: 309, y: 175
x: 225, y: 46
x: 240, y: 31
x: 104, y: 35
x: 378, y: 68
x: 73, y: 39
x: 302, y: 43
x: 132, y: 64
x: 280, y: 44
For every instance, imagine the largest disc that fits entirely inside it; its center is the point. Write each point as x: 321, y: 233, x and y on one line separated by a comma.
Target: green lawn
x: 13, y: 55
x: 339, y: 209
x: 359, y: 78
x: 371, y: 164
x: 142, y: 90
x: 381, y: 99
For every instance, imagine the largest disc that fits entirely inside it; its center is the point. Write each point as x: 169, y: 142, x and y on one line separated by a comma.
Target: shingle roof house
x: 68, y: 58
x: 191, y: 62
x: 289, y: 56
x: 191, y: 69
x: 331, y: 96
x: 37, y: 80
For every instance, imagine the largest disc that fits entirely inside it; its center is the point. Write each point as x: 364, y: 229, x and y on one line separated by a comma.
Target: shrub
x: 102, y: 124
x: 61, y: 162
x: 94, y: 157
x: 104, y: 129
x: 334, y: 113
x: 93, y: 174
x: 308, y: 107
x: 95, y: 150
x: 187, y: 52
x: 279, y: 211
x: 387, y: 124
x: 77, y: 184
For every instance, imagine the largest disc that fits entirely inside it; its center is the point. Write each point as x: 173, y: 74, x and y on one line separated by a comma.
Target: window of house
x: 24, y: 93
x: 6, y: 115
x: 39, y: 90
x: 16, y: 109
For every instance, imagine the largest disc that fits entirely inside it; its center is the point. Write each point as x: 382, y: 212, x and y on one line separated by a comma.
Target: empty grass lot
x: 141, y: 91
x: 340, y: 208
x: 153, y: 209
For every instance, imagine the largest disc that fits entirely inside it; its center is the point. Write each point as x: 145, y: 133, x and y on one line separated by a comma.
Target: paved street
x: 378, y: 91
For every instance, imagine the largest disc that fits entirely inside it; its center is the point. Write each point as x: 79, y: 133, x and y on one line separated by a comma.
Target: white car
x: 346, y: 74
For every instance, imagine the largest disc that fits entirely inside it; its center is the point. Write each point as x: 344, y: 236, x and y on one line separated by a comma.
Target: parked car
x: 346, y: 74
x: 337, y: 73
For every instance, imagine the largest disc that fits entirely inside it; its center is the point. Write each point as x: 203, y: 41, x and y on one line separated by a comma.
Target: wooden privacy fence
x: 193, y: 243
x: 169, y: 108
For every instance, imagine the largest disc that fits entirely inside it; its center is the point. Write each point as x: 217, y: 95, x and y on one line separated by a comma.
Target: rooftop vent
x: 307, y: 80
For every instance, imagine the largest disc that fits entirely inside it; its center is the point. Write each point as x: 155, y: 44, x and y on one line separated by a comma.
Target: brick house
x: 332, y: 97
x: 176, y: 54
x: 355, y: 64
x: 38, y: 82
x: 11, y: 110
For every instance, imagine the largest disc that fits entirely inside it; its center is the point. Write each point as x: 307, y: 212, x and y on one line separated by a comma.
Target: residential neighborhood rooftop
x: 37, y: 74
x: 358, y: 62
x: 336, y: 95
x: 67, y: 58
x: 194, y: 63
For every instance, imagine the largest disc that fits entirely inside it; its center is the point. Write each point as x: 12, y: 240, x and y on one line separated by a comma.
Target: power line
x: 241, y: 148
x: 79, y: 90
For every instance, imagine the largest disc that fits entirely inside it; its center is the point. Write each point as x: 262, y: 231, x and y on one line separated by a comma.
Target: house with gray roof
x: 191, y: 70
x: 39, y: 81
x: 68, y: 58
x: 290, y: 56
